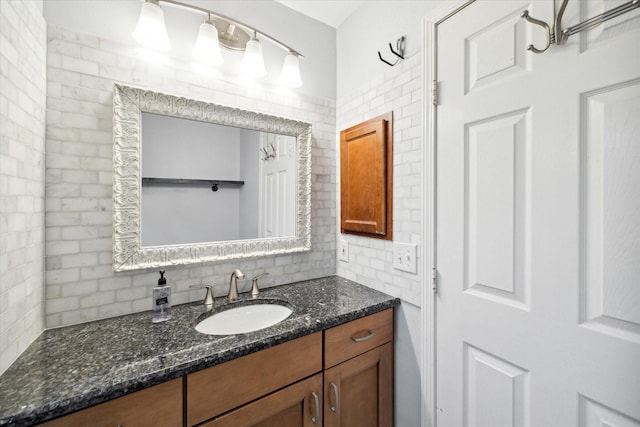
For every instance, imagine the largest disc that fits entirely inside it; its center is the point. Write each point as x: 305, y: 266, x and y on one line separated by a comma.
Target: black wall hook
x: 399, y: 52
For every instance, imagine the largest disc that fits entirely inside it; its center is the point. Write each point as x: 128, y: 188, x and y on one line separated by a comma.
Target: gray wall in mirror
x: 185, y: 213
x: 129, y: 253
x: 259, y: 201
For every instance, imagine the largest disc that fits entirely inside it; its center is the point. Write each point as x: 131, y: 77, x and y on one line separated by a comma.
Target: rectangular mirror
x: 197, y: 182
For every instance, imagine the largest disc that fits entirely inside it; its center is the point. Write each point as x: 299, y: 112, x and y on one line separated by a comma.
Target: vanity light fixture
x: 253, y: 62
x: 290, y: 75
x: 151, y: 31
x: 207, y: 47
x: 217, y: 30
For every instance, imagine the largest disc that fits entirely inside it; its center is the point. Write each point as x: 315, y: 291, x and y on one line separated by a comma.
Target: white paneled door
x: 538, y: 220
x: 277, y: 185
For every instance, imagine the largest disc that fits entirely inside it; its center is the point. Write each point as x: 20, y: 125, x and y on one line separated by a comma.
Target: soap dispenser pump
x: 161, y: 300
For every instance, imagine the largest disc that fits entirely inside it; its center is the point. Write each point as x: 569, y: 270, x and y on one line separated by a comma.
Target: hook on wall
x: 399, y: 52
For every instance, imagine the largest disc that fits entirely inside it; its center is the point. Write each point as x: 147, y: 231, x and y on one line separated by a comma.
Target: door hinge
x: 434, y: 92
x: 434, y: 280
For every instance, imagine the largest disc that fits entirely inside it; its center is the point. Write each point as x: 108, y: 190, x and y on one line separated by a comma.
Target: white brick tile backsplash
x: 79, y: 65
x: 76, y: 234
x: 22, y: 132
x: 370, y: 260
x: 79, y: 176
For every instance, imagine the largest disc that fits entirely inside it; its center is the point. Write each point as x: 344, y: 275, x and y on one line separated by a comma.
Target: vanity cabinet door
x: 359, y: 392
x: 222, y: 388
x: 157, y: 406
x: 299, y: 405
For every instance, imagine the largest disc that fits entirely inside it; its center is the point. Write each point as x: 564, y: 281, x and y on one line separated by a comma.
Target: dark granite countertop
x: 74, y: 367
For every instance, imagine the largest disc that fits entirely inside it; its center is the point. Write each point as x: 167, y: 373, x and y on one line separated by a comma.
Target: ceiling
x: 331, y: 12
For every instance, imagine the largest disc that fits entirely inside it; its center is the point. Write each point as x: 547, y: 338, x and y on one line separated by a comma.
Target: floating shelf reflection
x: 213, y: 183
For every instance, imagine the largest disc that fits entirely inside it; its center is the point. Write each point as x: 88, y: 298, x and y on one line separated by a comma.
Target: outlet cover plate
x: 343, y: 250
x: 405, y: 257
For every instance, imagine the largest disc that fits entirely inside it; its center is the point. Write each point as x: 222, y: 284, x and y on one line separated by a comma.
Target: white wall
x: 367, y: 88
x: 22, y: 132
x: 82, y: 67
x: 369, y: 30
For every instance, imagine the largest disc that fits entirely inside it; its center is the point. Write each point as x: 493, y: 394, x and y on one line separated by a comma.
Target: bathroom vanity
x: 330, y: 363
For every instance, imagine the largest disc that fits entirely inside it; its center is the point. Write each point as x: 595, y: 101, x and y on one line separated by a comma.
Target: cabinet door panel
x: 366, y: 162
x: 359, y: 392
x: 216, y: 390
x: 157, y: 406
x: 293, y: 406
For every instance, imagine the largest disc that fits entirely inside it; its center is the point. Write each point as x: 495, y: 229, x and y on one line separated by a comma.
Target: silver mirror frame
x: 128, y: 105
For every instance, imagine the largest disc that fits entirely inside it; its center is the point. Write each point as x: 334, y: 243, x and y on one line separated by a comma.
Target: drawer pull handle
x: 316, y: 407
x: 360, y: 339
x: 336, y: 397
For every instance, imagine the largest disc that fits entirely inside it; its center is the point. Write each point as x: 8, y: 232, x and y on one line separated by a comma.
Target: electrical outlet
x: 404, y: 257
x: 343, y: 250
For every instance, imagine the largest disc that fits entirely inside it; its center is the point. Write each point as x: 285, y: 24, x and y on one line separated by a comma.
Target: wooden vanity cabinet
x: 358, y: 375
x: 289, y: 385
x: 157, y: 406
x: 221, y: 388
x: 342, y: 376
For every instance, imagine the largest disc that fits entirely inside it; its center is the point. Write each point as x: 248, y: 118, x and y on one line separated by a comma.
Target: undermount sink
x: 244, y: 318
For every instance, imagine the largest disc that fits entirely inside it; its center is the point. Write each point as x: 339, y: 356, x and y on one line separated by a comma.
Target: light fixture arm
x: 246, y: 27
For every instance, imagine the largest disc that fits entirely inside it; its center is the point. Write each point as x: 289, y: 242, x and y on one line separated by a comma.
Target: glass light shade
x: 253, y: 63
x: 207, y: 47
x: 290, y: 75
x: 151, y: 31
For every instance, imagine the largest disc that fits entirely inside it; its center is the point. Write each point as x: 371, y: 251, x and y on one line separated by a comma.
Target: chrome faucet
x: 233, y: 285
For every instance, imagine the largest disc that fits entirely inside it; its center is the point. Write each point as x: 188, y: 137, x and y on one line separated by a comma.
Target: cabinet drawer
x: 155, y: 406
x: 218, y: 389
x: 346, y: 341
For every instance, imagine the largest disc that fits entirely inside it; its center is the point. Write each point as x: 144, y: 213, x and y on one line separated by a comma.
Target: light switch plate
x: 343, y: 250
x: 405, y: 257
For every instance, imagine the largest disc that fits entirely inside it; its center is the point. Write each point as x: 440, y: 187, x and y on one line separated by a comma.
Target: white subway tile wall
x: 398, y: 89
x: 23, y: 44
x: 80, y: 283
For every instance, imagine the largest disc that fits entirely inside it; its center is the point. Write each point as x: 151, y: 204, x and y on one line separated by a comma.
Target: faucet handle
x: 255, y: 291
x: 208, y: 298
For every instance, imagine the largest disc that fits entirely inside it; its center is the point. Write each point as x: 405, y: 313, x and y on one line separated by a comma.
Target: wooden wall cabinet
x: 366, y: 178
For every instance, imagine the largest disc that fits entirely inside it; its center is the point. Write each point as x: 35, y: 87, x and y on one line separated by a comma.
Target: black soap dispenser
x: 161, y: 300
